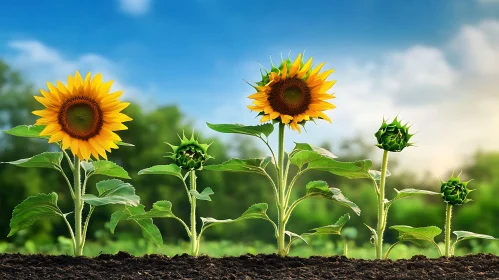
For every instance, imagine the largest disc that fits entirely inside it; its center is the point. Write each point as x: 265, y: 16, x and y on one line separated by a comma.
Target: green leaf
x: 322, y: 189
x: 293, y: 236
x: 254, y: 130
x: 374, y: 236
x: 330, y: 229
x: 106, y: 168
x: 256, y: 165
x: 171, y: 169
x: 256, y: 211
x: 376, y: 175
x: 119, y: 143
x: 464, y: 235
x: 149, y: 230
x: 204, y: 195
x: 417, y: 235
x: 314, y: 160
x: 113, y: 192
x: 408, y: 193
x: 43, y: 160
x: 308, y: 147
x: 160, y: 209
x: 32, y: 209
x: 30, y: 131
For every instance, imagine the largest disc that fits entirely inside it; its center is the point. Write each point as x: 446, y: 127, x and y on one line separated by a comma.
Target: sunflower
x: 293, y: 93
x: 82, y: 115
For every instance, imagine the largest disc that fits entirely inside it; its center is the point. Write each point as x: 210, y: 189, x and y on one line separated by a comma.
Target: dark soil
x: 125, y: 266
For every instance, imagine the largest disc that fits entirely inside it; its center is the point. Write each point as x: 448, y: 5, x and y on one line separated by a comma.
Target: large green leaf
x: 408, y: 193
x: 253, y: 130
x: 317, y: 161
x: 106, y: 168
x: 43, y: 160
x: 204, y: 195
x: 322, y: 189
x: 256, y: 211
x: 308, y: 147
x: 160, y: 209
x: 171, y: 169
x: 256, y: 165
x: 31, y: 131
x: 32, y: 209
x: 149, y: 230
x: 417, y: 235
x: 113, y: 192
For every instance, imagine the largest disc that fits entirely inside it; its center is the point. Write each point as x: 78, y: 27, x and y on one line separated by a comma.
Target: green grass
x: 139, y: 247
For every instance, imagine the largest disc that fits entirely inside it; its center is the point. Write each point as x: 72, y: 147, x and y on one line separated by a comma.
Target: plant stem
x: 194, y: 241
x: 78, y: 208
x: 282, y: 190
x: 448, y: 216
x: 381, y: 207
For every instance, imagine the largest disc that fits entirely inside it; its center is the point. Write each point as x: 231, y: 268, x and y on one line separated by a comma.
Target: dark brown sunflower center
x: 290, y: 96
x: 81, y: 117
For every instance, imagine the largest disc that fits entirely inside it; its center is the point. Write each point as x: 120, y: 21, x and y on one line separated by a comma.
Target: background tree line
x: 234, y: 192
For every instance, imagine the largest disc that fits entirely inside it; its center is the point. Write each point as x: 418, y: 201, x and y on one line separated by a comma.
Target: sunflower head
x: 190, y: 154
x: 393, y: 137
x: 293, y: 93
x: 455, y: 192
x: 82, y: 115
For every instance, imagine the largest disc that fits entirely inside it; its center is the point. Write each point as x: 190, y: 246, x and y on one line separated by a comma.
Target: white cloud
x: 42, y: 63
x: 135, y: 7
x: 449, y: 94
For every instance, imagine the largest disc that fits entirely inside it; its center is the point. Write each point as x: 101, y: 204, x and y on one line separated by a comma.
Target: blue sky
x: 196, y: 53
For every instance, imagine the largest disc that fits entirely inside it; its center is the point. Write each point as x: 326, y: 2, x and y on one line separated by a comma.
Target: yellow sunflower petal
x: 265, y: 118
x: 78, y: 80
x: 66, y: 141
x: 274, y: 115
x: 56, y: 137
x: 84, y: 150
x: 255, y: 108
x: 49, y: 129
x: 305, y: 68
x: 284, y: 70
x: 74, y: 146
x: 286, y: 119
x: 295, y: 126
x: 295, y: 66
x: 97, y: 147
x: 114, y: 126
x: 325, y: 117
x: 314, y: 72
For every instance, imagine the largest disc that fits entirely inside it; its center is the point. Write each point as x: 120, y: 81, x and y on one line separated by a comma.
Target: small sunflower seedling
x: 292, y: 94
x: 189, y: 155
x: 391, y: 137
x: 80, y: 116
x: 454, y: 193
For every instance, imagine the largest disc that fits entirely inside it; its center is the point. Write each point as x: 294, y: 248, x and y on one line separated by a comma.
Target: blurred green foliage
x: 234, y: 192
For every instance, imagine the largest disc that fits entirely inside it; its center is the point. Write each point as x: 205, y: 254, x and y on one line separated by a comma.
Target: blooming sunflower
x: 82, y: 115
x: 293, y: 93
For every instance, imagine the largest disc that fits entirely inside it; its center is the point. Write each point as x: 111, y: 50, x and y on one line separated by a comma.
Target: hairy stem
x: 78, y: 203
x: 194, y: 241
x: 448, y: 217
x: 282, y: 190
x: 381, y: 207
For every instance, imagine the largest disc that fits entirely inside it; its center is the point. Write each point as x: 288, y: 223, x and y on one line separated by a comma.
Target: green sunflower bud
x: 190, y: 154
x: 454, y: 192
x: 393, y: 137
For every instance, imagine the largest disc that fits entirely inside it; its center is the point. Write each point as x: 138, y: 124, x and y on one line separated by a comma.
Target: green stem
x: 78, y: 202
x: 282, y: 190
x: 381, y: 207
x: 448, y: 216
x: 194, y: 241
x: 85, y: 226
